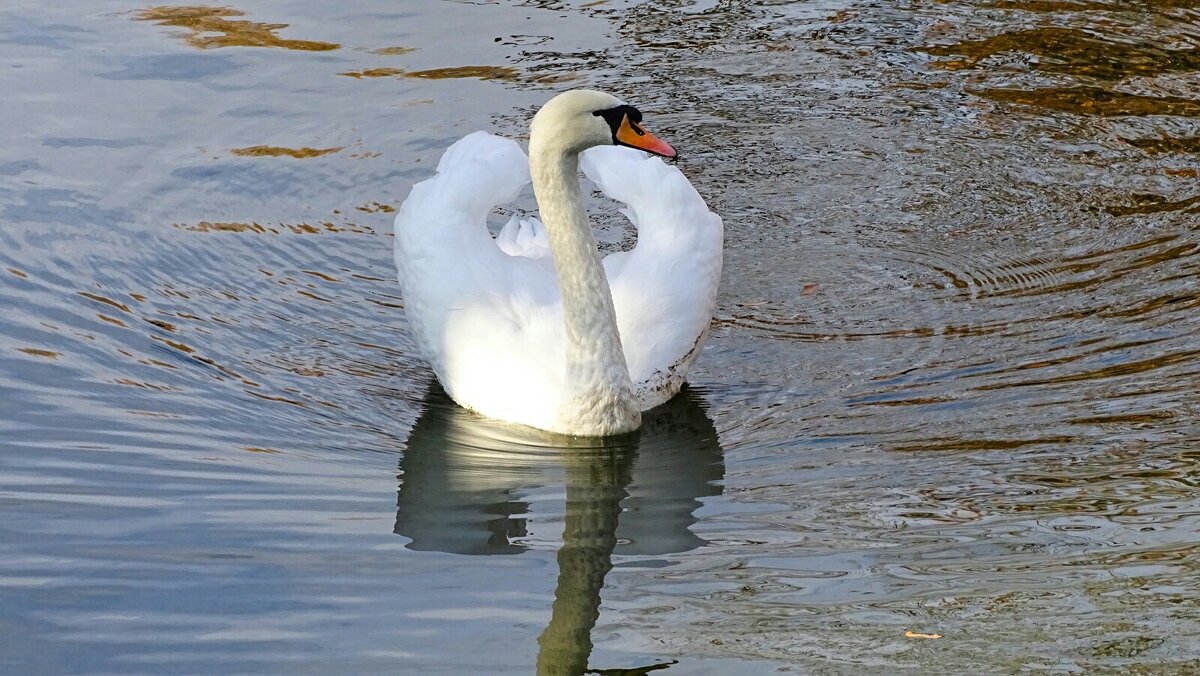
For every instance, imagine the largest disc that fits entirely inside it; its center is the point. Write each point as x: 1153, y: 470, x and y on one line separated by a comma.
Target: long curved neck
x: 596, y: 367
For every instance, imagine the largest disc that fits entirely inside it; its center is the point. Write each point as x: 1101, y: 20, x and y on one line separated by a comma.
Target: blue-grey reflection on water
x: 462, y: 478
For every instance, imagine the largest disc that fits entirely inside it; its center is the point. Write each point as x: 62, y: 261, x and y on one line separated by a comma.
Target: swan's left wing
x: 665, y: 288
x: 480, y: 313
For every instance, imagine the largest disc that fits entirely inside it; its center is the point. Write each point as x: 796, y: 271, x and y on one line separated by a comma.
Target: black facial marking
x: 614, y: 116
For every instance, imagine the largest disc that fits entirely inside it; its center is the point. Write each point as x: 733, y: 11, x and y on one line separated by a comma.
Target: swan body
x: 532, y: 327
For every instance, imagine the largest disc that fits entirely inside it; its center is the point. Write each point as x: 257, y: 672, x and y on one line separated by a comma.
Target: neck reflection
x: 463, y: 479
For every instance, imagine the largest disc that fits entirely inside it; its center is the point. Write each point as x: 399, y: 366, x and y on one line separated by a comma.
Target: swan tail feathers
x: 509, y: 236
x: 524, y: 237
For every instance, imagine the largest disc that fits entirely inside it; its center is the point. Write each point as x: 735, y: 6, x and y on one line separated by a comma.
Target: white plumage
x: 488, y: 313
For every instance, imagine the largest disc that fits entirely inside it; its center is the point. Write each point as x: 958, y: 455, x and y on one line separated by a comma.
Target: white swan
x: 531, y: 327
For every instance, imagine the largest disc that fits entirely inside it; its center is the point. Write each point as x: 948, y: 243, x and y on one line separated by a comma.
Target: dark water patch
x: 61, y: 205
x: 80, y: 142
x: 30, y: 32
x: 173, y: 67
x: 245, y: 178
x: 18, y: 167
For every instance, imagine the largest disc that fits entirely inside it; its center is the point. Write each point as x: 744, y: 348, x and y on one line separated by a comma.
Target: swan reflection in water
x: 462, y: 477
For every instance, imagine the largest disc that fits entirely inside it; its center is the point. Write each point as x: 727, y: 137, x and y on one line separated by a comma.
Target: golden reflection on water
x: 202, y: 22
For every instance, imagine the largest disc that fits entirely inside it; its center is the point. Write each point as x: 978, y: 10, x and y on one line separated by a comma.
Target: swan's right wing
x: 665, y: 288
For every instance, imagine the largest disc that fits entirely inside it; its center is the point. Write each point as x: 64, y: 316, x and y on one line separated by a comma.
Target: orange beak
x: 635, y: 136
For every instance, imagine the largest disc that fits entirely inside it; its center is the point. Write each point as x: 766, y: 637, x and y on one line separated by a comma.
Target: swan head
x: 583, y: 118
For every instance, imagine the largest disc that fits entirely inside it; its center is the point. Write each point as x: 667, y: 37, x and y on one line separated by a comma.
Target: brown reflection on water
x: 1092, y: 51
x: 1124, y: 418
x: 1072, y: 51
x: 38, y: 352
x: 278, y: 151
x: 102, y: 299
x: 202, y: 22
x: 1082, y: 100
x: 478, y: 72
x: 1139, y: 366
x: 322, y: 227
x: 1047, y: 5
x: 1166, y: 144
x: 953, y: 444
x: 1150, y: 203
x: 374, y: 72
x: 1066, y: 6
x: 376, y: 207
x: 1103, y: 266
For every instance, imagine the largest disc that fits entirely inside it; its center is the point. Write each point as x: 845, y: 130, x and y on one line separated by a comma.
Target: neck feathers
x: 597, y: 374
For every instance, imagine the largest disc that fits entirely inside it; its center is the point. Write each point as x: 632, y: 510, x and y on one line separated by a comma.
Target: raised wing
x: 665, y: 288
x: 482, y: 317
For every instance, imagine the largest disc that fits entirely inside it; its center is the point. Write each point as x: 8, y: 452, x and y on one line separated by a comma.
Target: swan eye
x: 625, y: 123
x: 616, y: 116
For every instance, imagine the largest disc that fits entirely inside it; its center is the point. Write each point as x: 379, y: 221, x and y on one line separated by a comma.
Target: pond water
x: 950, y: 390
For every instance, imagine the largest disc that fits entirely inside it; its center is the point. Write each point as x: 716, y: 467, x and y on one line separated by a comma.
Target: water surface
x: 951, y: 388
